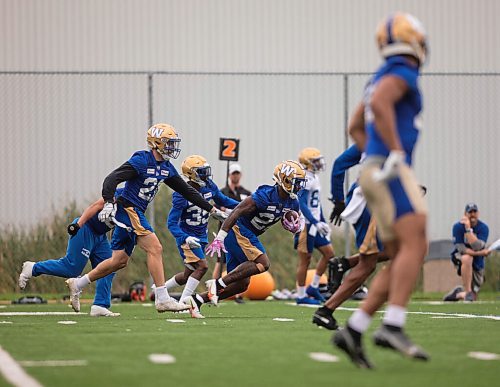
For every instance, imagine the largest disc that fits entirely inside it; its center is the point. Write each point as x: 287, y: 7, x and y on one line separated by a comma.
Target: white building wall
x: 61, y: 134
x: 236, y: 35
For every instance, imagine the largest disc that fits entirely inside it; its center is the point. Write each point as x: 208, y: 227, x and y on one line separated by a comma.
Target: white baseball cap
x: 234, y: 168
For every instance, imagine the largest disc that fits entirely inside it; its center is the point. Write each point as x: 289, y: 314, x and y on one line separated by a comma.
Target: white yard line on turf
x: 459, y: 315
x: 53, y: 363
x: 42, y: 314
x: 14, y: 373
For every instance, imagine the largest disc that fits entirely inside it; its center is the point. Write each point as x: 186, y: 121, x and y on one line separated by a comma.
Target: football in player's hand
x: 291, y: 221
x: 290, y: 216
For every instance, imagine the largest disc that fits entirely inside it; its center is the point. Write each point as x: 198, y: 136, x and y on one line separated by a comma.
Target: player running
x: 188, y: 223
x: 238, y: 236
x: 316, y: 233
x: 143, y: 173
x: 384, y: 126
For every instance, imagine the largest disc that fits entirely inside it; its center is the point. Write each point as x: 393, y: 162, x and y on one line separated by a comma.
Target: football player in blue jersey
x: 316, y: 233
x: 238, y: 236
x: 188, y: 223
x: 143, y: 173
x: 384, y: 126
x: 87, y: 241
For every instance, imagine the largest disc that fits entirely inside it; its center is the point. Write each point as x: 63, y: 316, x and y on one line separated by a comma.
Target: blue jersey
x: 141, y: 190
x: 186, y: 219
x: 349, y: 158
x: 482, y: 232
x: 98, y: 227
x: 407, y: 108
x: 270, y: 209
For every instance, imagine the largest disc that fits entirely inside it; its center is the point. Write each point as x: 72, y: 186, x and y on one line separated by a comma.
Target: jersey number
x: 314, y: 202
x: 198, y: 216
x: 148, y: 193
x: 262, y: 221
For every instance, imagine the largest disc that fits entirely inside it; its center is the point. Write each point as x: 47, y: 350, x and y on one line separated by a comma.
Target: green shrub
x: 48, y: 240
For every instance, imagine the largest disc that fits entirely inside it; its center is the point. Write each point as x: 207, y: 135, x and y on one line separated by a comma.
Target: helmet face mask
x: 164, y: 139
x: 204, y: 173
x: 171, y: 149
x: 318, y: 164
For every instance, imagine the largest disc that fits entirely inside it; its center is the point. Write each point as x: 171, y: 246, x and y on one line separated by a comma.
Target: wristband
x: 469, y: 230
x: 221, y: 235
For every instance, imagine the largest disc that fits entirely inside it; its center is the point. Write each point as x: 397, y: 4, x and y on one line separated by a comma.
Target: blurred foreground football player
x: 238, y: 236
x: 383, y: 125
x: 143, y: 173
x: 188, y: 223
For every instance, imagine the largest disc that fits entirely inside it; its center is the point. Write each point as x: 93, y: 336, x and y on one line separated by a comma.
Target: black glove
x: 73, y: 229
x: 338, y: 208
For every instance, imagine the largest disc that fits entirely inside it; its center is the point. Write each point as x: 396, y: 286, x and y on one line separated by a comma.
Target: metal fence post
x: 151, y: 208
x: 347, y: 231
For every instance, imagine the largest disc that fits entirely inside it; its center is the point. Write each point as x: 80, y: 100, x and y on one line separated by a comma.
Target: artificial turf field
x: 241, y: 345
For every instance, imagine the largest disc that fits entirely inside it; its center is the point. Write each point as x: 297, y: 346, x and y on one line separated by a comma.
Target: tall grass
x: 48, y: 240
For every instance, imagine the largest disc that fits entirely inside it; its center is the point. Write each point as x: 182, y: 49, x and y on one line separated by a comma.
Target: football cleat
x: 100, y: 311
x: 452, y: 296
x: 26, y: 274
x: 344, y: 340
x: 315, y: 293
x: 170, y: 305
x: 196, y: 169
x: 213, y: 296
x: 312, y: 159
x: 290, y: 176
x: 360, y: 293
x: 470, y: 297
x: 397, y: 340
x: 194, y: 306
x: 74, y: 294
x: 402, y: 34
x: 307, y: 301
x: 164, y: 139
x: 323, y: 317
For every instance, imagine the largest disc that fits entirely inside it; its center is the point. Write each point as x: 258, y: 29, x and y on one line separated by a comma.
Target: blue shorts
x: 389, y: 201
x: 191, y: 255
x: 134, y: 218
x: 367, y: 239
x: 305, y: 243
x: 242, y: 245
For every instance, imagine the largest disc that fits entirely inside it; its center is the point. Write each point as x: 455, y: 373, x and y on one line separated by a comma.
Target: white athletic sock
x: 360, y: 321
x: 395, y: 315
x: 221, y: 283
x: 200, y: 298
x: 190, y: 287
x: 161, y: 294
x: 301, y: 291
x: 171, y: 283
x: 315, y: 281
x: 83, y: 281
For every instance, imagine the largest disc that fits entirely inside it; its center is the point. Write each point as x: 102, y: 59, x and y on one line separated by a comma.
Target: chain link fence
x: 62, y: 132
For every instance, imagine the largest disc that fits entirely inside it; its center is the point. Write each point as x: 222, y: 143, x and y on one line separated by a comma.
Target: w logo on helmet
x: 287, y: 170
x: 156, y: 132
